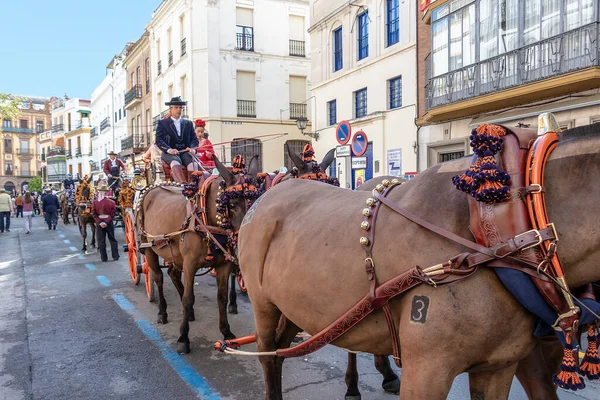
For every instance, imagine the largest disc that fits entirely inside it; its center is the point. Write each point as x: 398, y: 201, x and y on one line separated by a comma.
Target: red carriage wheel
x: 149, y: 278
x: 132, y: 255
x: 241, y: 283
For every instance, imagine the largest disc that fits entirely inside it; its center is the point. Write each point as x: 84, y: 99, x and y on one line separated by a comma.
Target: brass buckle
x: 538, y: 237
x: 551, y: 225
x: 538, y: 190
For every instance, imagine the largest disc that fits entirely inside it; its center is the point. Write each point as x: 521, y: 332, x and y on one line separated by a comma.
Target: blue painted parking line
x: 91, y: 267
x: 66, y: 240
x: 103, y: 280
x: 61, y: 236
x: 189, y: 375
x: 73, y: 248
x: 80, y: 256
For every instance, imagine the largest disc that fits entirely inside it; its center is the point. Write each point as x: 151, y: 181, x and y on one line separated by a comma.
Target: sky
x: 52, y: 47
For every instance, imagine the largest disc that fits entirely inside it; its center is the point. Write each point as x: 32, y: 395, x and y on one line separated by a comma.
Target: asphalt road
x: 72, y: 327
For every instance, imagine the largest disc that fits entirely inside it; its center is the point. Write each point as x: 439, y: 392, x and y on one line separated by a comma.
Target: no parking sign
x: 343, y: 132
x: 359, y: 143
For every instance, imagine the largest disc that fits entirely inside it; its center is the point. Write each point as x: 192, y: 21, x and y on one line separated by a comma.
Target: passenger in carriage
x: 205, y: 150
x: 176, y: 138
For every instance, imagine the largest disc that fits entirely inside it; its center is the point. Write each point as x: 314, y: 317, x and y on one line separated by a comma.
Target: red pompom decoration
x: 200, y: 123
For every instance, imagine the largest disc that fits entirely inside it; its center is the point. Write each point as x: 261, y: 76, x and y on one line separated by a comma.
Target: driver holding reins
x: 176, y: 138
x: 112, y: 169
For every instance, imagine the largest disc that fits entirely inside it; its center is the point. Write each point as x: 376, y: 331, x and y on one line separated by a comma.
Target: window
x: 124, y: 112
x: 148, y: 130
x: 363, y: 35
x: 25, y: 169
x: 244, y: 29
x: 79, y: 169
x: 297, y: 97
x: 360, y: 103
x: 8, y: 145
x: 116, y: 116
x: 138, y: 72
x: 24, y: 123
x: 120, y: 114
x: 147, y: 74
x: 393, y: 22
x: 296, y: 146
x: 332, y: 170
x: 246, y: 100
x: 132, y: 80
x: 71, y: 169
x: 247, y: 148
x: 332, y: 112
x: 338, y: 62
x: 6, y: 123
x: 39, y: 126
x: 395, y: 90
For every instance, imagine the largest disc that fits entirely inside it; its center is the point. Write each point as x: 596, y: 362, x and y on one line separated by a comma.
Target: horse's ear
x: 226, y: 174
x: 328, y: 159
x: 294, y: 157
x: 253, y: 166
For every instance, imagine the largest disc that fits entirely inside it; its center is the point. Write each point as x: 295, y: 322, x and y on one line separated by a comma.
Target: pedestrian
x: 103, y: 211
x: 13, y: 208
x: 27, y: 211
x: 50, y: 209
x: 36, y: 204
x: 5, y: 207
x: 19, y: 205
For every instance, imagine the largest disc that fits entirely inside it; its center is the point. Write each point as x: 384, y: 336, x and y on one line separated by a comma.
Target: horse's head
x: 237, y: 191
x: 306, y: 164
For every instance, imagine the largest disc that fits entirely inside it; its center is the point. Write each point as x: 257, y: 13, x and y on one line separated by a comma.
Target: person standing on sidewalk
x: 103, y: 211
x: 50, y: 207
x: 19, y: 205
x: 27, y: 211
x: 5, y: 207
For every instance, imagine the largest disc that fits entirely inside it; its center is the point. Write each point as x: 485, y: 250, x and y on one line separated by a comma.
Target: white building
x: 364, y: 72
x: 241, y: 66
x: 109, y: 117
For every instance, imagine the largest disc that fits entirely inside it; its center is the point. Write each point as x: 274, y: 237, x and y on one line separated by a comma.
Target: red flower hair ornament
x: 199, y: 123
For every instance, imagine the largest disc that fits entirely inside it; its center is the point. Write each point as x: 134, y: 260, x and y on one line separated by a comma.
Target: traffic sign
x: 359, y: 162
x: 342, y: 151
x: 359, y: 143
x: 343, y: 132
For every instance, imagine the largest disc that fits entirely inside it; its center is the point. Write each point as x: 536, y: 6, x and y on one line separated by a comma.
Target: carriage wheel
x: 149, y: 278
x: 241, y: 283
x: 132, y: 254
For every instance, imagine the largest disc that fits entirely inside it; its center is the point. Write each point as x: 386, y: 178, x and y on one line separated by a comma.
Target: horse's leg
x: 491, y: 385
x: 266, y: 341
x: 421, y: 380
x: 535, y: 371
x: 93, y: 225
x: 223, y: 272
x: 183, y: 343
x: 233, y: 292
x: 83, y: 230
x: 352, y: 392
x: 391, y: 382
x: 153, y: 263
x: 175, y: 275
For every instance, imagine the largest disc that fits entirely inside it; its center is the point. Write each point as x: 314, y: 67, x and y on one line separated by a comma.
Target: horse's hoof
x: 355, y: 397
x: 192, y: 316
x: 392, y: 386
x: 162, y: 319
x: 229, y: 336
x: 232, y: 309
x: 183, y: 348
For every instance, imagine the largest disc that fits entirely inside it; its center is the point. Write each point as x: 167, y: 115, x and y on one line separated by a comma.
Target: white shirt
x: 113, y: 163
x: 177, y: 123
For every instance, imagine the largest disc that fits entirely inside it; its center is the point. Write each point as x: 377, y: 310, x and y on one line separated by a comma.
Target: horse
x: 84, y: 216
x: 162, y: 211
x: 278, y: 271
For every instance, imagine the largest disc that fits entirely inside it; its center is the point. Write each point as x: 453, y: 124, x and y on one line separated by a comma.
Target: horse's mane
x: 581, y: 132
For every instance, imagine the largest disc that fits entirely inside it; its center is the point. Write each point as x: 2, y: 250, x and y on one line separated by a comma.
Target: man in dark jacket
x: 68, y: 183
x: 113, y: 168
x: 103, y: 211
x: 176, y: 138
x: 50, y: 206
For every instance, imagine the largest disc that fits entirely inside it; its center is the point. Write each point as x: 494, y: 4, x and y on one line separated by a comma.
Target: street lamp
x: 301, y: 124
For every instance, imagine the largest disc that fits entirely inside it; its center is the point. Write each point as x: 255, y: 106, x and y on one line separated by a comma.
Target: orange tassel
x: 568, y: 378
x: 590, y: 365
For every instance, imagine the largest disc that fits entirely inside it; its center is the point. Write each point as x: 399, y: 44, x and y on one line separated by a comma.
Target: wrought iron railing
x: 183, y: 47
x: 77, y: 151
x: 104, y: 124
x: 570, y: 51
x: 246, y: 108
x: 25, y: 152
x: 68, y: 153
x: 55, y: 151
x: 8, y: 172
x: 297, y: 48
x: 58, y: 128
x: 17, y: 130
x: 132, y: 142
x: 159, y: 68
x: 132, y: 94
x: 244, y: 42
x: 170, y: 58
x: 94, y: 132
x: 297, y: 110
x: 94, y: 165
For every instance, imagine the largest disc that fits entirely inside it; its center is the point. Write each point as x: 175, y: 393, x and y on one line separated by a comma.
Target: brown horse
x: 473, y: 326
x: 162, y: 212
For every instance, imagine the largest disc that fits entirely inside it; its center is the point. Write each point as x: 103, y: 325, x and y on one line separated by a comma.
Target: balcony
x: 530, y: 73
x: 60, y: 128
x: 159, y: 68
x: 183, y: 47
x: 43, y: 157
x: 133, y: 96
x: 8, y: 172
x: 55, y: 151
x: 134, y: 143
x: 16, y: 130
x: 246, y: 108
x: 94, y: 132
x: 77, y: 151
x: 25, y: 152
x: 95, y: 166
x: 56, y: 178
x: 297, y: 48
x: 68, y: 153
x: 170, y: 58
x: 244, y: 42
x: 297, y: 110
x: 104, y: 124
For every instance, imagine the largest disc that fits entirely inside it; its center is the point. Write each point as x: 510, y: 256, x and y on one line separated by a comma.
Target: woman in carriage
x: 205, y: 147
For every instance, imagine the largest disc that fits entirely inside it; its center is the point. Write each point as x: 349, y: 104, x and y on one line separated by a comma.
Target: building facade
x: 138, y: 100
x: 20, y: 159
x: 364, y: 73
x: 109, y: 116
x: 242, y: 66
x: 503, y: 61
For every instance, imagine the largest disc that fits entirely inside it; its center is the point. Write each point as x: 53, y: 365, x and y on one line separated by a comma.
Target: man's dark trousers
x: 114, y: 246
x: 51, y: 219
x: 19, y: 211
x: 4, y: 214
